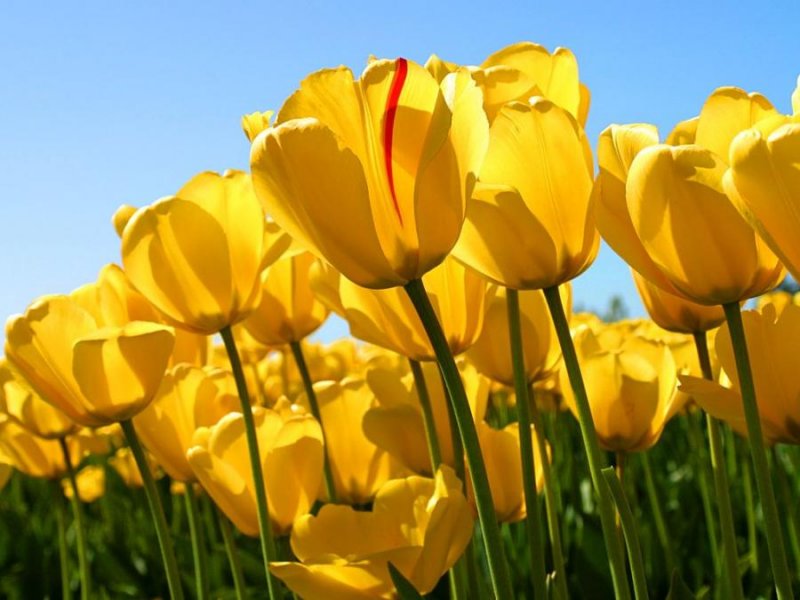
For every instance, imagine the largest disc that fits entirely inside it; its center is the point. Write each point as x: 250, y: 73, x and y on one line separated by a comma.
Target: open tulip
x: 189, y: 398
x: 774, y: 344
x: 764, y: 184
x: 392, y: 156
x: 96, y: 376
x: 387, y: 318
x: 419, y: 525
x: 528, y: 225
x: 290, y: 447
x: 198, y: 256
x: 288, y: 310
x: 631, y: 383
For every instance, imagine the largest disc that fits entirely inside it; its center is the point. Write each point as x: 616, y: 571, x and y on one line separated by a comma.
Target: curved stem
x: 198, y: 543
x: 730, y: 553
x: 233, y: 555
x: 533, y: 520
x: 63, y: 558
x: 156, y: 510
x: 428, y: 421
x: 772, y: 526
x: 80, y: 528
x: 264, y: 529
x: 629, y: 529
x: 299, y: 359
x: 658, y: 513
x: 616, y: 557
x: 551, y: 505
x: 495, y: 556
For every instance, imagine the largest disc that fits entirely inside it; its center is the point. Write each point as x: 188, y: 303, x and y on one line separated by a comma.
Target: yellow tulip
x: 197, y: 256
x: 32, y: 455
x: 631, y: 383
x: 780, y: 299
x: 23, y: 404
x: 673, y: 313
x: 189, y: 397
x: 124, y: 464
x: 528, y: 225
x: 392, y: 157
x: 773, y: 343
x: 288, y: 311
x: 500, y: 448
x: 491, y: 353
x: 359, y: 467
x: 255, y: 123
x: 394, y: 422
x: 96, y: 376
x: 290, y: 445
x: 763, y: 182
x: 387, y: 318
x: 121, y: 217
x: 420, y: 525
x: 91, y: 481
x: 691, y: 231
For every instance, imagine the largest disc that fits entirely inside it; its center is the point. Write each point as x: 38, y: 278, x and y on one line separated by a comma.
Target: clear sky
x: 105, y: 103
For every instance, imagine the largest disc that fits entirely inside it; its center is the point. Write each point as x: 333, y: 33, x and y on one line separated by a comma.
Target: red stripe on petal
x: 388, y: 132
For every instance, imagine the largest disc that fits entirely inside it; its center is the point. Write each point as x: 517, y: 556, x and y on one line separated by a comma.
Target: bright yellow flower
x: 780, y: 299
x: 491, y: 353
x: 394, y: 422
x: 96, y: 376
x: 773, y: 343
x: 374, y: 175
x: 23, y: 404
x: 288, y: 311
x: 763, y: 182
x: 124, y: 463
x: 631, y: 383
x: 121, y: 217
x: 291, y: 455
x: 255, y: 123
x: 32, y: 455
x: 359, y: 467
x: 420, y: 525
x: 91, y: 481
x: 501, y: 453
x: 198, y: 256
x: 674, y: 313
x: 189, y: 398
x: 387, y: 318
x: 529, y: 225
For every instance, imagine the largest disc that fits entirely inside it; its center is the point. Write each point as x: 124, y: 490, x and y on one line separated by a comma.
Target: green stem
x: 434, y: 451
x: 498, y: 568
x: 80, y: 527
x: 533, y: 518
x: 788, y: 506
x: 300, y: 360
x: 720, y: 473
x: 551, y: 506
x: 156, y: 510
x: 233, y: 555
x: 629, y: 529
x: 63, y: 557
x: 772, y: 526
x: 198, y: 543
x: 264, y: 528
x: 616, y: 557
x: 658, y: 514
x: 750, y: 513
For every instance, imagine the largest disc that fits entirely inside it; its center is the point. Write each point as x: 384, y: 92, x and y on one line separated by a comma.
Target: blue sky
x: 104, y: 103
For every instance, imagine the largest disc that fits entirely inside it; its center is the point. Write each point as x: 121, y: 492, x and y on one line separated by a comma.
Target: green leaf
x: 678, y: 590
x: 405, y: 589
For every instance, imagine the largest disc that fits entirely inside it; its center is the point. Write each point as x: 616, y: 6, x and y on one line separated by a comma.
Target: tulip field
x: 171, y: 429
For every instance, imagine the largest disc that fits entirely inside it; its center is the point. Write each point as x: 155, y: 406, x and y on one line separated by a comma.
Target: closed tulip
x: 392, y: 156
x: 773, y: 343
x: 91, y: 481
x: 124, y: 464
x: 631, y: 383
x: 491, y: 355
x: 189, y: 398
x: 764, y: 184
x: 96, y: 376
x: 291, y: 453
x: 528, y: 225
x: 387, y: 318
x: 288, y: 310
x: 420, y: 525
x: 32, y: 455
x: 198, y: 256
